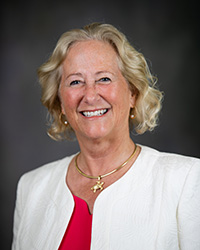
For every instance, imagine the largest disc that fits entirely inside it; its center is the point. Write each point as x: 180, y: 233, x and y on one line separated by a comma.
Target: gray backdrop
x: 166, y: 32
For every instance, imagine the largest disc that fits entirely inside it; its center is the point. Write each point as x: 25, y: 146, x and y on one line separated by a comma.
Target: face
x: 95, y: 97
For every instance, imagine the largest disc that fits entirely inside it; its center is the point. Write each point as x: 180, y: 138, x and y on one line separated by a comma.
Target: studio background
x: 165, y: 32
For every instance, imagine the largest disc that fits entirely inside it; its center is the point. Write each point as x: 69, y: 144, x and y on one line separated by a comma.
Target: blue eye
x: 105, y: 79
x: 74, y: 82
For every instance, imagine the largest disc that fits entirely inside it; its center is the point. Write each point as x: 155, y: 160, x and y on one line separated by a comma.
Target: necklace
x: 99, y: 183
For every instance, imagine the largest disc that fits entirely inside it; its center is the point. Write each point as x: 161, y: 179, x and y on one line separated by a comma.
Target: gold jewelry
x: 63, y: 121
x: 132, y: 116
x: 99, y: 184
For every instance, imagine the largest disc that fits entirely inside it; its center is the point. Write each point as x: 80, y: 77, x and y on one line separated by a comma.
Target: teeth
x: 95, y: 113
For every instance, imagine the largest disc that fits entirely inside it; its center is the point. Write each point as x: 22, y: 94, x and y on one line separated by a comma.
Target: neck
x: 101, y: 156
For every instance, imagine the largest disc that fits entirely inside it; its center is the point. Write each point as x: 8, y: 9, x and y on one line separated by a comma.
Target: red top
x: 78, y: 233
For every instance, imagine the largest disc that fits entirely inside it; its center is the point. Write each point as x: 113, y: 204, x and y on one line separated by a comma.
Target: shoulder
x: 172, y: 167
x: 173, y: 173
x: 40, y: 178
x: 46, y: 170
x: 169, y: 160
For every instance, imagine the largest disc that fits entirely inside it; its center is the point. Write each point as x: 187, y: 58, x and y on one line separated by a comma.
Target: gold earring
x: 132, y: 116
x: 63, y: 121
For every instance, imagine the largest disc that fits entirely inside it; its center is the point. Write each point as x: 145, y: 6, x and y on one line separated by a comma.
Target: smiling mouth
x: 94, y: 113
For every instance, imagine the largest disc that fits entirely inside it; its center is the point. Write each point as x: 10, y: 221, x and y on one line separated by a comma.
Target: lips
x: 99, y: 112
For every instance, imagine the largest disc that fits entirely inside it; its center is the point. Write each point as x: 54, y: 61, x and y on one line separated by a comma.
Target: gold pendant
x: 98, y: 185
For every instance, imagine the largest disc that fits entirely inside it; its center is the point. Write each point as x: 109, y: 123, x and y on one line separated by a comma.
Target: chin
x: 96, y: 134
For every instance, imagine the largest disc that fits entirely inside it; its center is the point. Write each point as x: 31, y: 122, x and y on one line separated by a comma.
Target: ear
x: 133, y: 98
x: 62, y: 108
x: 61, y: 103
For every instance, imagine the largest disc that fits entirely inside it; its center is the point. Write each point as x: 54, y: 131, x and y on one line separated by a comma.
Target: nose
x: 91, y: 93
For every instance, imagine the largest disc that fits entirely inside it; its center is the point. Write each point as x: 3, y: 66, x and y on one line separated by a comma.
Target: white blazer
x: 154, y: 206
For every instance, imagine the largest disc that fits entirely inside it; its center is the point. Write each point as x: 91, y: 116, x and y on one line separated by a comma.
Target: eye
x: 105, y: 79
x: 75, y: 82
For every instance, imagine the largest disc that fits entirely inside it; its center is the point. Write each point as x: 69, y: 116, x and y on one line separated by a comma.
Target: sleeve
x: 188, y: 213
x: 17, y: 215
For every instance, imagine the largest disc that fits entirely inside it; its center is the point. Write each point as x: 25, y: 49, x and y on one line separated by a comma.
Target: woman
x: 113, y: 194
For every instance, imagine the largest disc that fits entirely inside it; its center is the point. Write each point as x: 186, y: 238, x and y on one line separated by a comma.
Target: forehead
x: 91, y: 53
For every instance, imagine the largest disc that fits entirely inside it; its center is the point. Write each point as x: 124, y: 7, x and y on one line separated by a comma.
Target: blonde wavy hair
x: 131, y: 63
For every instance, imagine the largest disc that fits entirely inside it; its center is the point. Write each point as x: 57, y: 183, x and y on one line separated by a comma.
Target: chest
x: 125, y: 214
x: 89, y: 189
x: 145, y: 219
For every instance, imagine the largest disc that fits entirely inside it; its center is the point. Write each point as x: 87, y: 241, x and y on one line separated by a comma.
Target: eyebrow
x: 74, y: 74
x: 97, y: 73
x: 103, y: 71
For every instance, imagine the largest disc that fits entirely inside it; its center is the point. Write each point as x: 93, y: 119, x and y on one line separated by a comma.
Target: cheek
x: 68, y: 101
x: 111, y: 93
x: 120, y: 96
